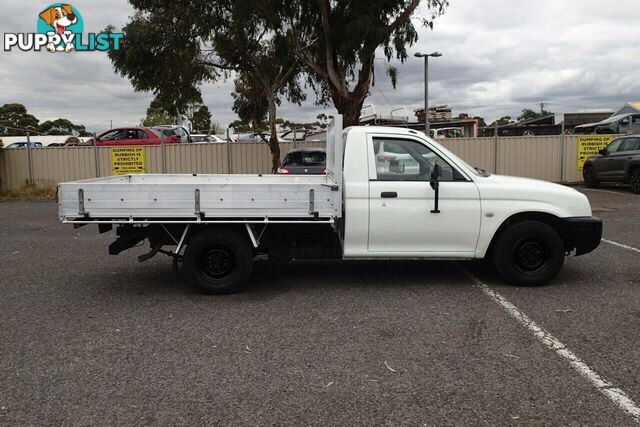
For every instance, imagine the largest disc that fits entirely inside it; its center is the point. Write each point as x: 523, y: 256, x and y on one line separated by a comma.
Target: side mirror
x: 603, y: 151
x: 435, y: 176
x: 435, y: 184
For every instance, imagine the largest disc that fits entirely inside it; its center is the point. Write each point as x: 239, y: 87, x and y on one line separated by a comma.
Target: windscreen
x: 306, y: 158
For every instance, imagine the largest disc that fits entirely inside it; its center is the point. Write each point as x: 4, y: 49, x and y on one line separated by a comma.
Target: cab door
x: 401, y: 201
x: 604, y: 166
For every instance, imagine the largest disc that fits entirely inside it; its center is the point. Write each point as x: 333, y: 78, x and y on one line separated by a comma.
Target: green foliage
x: 249, y: 102
x: 156, y: 117
x: 161, y: 51
x: 171, y: 48
x: 338, y: 43
x: 503, y: 121
x: 16, y: 121
x: 201, y: 119
x: 16, y: 116
x: 62, y: 127
x: 528, y: 114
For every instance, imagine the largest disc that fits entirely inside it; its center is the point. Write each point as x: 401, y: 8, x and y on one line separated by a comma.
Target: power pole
x: 542, y: 108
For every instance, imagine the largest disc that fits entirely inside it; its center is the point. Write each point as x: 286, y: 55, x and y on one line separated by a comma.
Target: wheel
x: 529, y: 253
x: 634, y: 180
x: 589, y: 176
x: 219, y: 261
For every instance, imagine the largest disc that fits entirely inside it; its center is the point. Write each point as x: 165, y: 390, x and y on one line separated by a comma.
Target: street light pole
x: 427, y: 126
x: 427, y: 130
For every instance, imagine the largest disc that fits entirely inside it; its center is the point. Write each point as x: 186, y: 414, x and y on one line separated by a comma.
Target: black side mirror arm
x: 435, y: 184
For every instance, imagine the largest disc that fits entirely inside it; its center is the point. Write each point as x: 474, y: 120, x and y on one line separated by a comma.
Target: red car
x: 133, y: 136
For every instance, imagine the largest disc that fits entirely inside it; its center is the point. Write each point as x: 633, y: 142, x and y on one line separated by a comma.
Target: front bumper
x: 583, y: 234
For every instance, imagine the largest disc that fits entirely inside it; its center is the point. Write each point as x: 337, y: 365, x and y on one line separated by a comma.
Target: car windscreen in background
x: 313, y: 158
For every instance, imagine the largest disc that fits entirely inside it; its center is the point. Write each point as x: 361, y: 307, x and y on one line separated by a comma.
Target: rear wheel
x: 634, y: 179
x: 529, y: 253
x: 218, y: 261
x: 589, y: 176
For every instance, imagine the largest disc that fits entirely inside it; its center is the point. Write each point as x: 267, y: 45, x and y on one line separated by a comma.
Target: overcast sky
x: 499, y: 56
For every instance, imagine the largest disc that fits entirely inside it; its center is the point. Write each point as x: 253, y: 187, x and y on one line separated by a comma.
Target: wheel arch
x: 236, y: 228
x: 551, y: 220
x: 633, y: 165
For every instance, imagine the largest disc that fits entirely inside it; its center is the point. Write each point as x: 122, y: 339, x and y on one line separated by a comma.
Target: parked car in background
x: 304, y: 161
x: 24, y: 144
x: 134, y: 136
x: 175, y: 130
x: 293, y: 135
x: 617, y: 162
x: 203, y: 139
x: 620, y: 124
x: 254, y: 137
x: 447, y: 133
x: 316, y: 136
x: 72, y: 141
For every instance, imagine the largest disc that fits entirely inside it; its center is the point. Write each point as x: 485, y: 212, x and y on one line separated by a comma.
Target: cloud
x: 500, y: 56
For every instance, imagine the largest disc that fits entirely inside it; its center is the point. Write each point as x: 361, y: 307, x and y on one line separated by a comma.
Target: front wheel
x: 634, y: 180
x: 219, y: 261
x: 529, y: 253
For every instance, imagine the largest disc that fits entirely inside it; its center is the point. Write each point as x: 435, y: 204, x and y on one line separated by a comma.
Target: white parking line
x: 616, y: 395
x: 631, y: 248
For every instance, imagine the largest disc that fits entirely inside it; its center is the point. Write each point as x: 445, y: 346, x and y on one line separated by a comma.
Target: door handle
x: 389, y: 195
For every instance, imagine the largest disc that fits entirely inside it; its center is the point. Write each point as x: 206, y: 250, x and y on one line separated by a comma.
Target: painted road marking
x: 631, y: 248
x: 616, y: 395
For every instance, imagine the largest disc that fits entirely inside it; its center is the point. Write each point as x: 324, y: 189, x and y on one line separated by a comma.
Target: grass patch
x: 29, y: 193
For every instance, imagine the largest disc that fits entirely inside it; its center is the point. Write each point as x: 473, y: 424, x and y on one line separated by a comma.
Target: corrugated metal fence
x: 534, y: 157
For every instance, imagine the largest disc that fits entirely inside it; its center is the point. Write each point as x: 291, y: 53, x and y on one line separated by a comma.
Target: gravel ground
x: 90, y: 339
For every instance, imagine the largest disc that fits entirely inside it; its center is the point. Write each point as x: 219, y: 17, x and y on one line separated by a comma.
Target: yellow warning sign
x: 588, y: 145
x: 127, y: 160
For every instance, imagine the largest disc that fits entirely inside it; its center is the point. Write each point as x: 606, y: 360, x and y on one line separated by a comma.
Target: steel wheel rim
x: 217, y: 262
x: 531, y: 255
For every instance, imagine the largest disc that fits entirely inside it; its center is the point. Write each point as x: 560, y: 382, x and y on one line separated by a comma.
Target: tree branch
x: 331, y: 70
x: 403, y: 17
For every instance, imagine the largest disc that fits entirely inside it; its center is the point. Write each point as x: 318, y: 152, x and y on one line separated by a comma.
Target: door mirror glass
x: 435, y: 176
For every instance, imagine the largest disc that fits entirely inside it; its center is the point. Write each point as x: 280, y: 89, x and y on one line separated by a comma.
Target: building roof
x: 629, y: 107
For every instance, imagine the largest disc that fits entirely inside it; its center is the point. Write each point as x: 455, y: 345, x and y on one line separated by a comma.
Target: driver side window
x: 406, y: 160
x: 613, y: 147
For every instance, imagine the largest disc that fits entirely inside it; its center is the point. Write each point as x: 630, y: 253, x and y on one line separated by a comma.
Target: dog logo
x: 60, y: 28
x: 65, y: 21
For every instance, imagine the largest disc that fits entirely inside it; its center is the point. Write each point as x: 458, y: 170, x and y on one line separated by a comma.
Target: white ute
x: 410, y: 199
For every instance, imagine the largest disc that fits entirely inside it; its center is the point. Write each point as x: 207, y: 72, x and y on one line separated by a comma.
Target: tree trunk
x: 274, y: 145
x: 348, y: 103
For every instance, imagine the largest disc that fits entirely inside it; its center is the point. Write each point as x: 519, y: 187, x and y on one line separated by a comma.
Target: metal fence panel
x: 533, y: 157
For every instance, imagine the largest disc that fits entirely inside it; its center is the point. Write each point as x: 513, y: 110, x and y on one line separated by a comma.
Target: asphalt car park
x: 92, y: 339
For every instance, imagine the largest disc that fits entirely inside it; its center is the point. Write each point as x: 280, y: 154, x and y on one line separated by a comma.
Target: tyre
x: 634, y: 180
x: 218, y: 261
x: 589, y: 177
x: 529, y: 253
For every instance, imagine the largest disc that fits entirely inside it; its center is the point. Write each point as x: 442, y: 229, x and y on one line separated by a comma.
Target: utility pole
x: 542, y: 108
